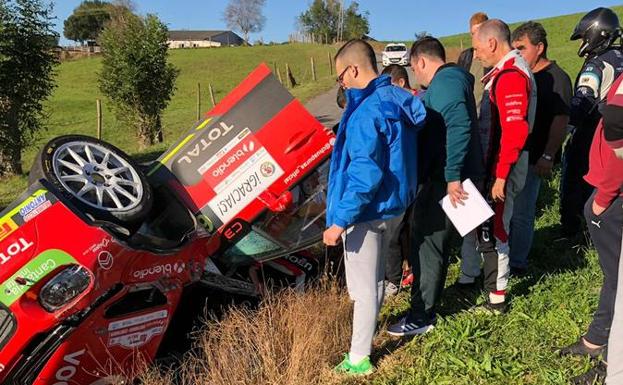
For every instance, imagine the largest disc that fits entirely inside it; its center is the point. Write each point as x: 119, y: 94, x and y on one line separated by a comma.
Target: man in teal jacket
x: 373, y: 179
x: 453, y: 153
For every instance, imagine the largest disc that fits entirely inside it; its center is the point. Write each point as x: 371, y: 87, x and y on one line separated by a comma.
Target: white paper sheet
x: 474, y: 213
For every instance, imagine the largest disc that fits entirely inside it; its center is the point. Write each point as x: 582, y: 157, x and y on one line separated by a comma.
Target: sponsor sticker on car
x: 134, y: 332
x: 31, y: 273
x: 25, y: 211
x: 241, y: 188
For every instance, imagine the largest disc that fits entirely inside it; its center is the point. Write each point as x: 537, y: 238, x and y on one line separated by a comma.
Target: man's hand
x: 543, y: 167
x: 456, y: 193
x: 597, y: 209
x: 332, y: 235
x: 497, y: 192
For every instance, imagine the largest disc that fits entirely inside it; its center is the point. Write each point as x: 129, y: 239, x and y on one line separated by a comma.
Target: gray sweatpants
x: 365, y: 245
x: 615, y: 340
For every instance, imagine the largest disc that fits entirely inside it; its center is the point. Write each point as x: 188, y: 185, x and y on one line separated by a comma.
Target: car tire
x: 96, y: 177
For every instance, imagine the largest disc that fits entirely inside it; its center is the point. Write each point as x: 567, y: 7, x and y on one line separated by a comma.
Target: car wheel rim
x: 97, y: 176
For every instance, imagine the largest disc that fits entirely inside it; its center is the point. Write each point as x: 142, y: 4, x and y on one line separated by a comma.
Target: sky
x: 400, y: 21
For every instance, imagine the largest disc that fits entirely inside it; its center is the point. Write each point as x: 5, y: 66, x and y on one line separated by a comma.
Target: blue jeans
x: 522, y: 223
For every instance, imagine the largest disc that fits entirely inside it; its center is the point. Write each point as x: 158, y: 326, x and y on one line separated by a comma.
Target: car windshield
x: 395, y: 48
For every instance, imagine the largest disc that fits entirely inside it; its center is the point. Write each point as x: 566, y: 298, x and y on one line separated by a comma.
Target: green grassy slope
x: 558, y: 30
x: 72, y: 108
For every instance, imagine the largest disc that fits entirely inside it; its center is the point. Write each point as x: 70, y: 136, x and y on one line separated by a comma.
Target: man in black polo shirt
x: 550, y: 127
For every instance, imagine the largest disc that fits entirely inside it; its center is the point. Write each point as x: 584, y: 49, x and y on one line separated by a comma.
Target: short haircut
x: 535, y: 33
x: 358, y: 51
x: 478, y: 18
x: 495, y: 28
x: 428, y: 46
x: 397, y: 72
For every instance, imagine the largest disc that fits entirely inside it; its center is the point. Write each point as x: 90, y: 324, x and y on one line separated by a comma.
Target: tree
x: 135, y: 75
x: 245, y: 16
x: 87, y: 21
x: 322, y: 20
x: 27, y: 65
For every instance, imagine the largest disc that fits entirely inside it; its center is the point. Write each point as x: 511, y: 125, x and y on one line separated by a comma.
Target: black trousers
x: 574, y: 191
x: 606, y: 231
x: 433, y: 234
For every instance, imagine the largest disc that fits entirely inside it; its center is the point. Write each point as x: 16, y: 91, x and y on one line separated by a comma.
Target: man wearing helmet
x: 598, y: 30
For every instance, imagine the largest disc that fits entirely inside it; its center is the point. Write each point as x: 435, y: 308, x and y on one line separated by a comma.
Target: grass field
x: 551, y: 307
x: 71, y: 109
x: 297, y: 339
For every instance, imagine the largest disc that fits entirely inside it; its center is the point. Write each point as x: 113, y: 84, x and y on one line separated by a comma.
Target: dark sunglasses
x: 340, y: 78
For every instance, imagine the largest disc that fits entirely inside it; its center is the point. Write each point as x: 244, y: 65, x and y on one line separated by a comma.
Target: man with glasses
x: 372, y: 181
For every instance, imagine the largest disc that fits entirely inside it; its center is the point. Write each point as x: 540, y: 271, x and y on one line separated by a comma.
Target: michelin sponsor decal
x: 132, y: 333
x: 33, y: 272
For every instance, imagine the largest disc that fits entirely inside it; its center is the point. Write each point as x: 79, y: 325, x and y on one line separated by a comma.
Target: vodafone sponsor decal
x: 135, y: 332
x: 237, y: 193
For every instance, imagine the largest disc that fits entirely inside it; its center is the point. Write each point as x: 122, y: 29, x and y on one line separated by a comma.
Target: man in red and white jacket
x: 512, y: 93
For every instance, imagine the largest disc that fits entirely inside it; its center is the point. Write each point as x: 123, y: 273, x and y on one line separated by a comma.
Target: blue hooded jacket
x: 373, y: 171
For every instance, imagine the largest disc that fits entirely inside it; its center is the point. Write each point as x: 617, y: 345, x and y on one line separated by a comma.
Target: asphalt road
x: 324, y: 107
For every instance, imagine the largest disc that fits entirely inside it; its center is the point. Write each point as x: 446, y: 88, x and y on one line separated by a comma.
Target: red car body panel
x: 94, y: 336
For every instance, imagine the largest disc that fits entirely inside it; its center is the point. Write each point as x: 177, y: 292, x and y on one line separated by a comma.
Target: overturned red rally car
x: 97, y: 254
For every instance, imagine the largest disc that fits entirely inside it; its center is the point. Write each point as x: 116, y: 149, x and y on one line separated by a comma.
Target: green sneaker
x: 362, y: 368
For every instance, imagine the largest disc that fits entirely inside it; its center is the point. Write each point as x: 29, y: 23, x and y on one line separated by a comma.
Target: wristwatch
x: 547, y: 157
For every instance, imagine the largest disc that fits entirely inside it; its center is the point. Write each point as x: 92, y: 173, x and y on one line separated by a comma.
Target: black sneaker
x: 595, y: 376
x: 407, y: 327
x: 578, y: 348
x: 492, y: 308
x: 518, y: 272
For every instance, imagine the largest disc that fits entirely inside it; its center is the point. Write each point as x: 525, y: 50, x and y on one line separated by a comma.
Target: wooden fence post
x: 330, y: 63
x: 279, y: 76
x: 198, y: 101
x: 98, y: 103
x: 212, y: 95
x: 288, y: 78
x: 313, y: 69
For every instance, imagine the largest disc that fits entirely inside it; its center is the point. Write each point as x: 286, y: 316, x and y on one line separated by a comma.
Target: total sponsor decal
x: 15, y: 248
x: 163, y: 269
x: 132, y: 333
x: 35, y: 207
x: 303, y: 166
x: 245, y: 188
x: 220, y: 130
x: 66, y: 373
x: 33, y: 272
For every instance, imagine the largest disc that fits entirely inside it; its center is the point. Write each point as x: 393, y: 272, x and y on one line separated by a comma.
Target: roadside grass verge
x: 291, y: 339
x: 297, y: 339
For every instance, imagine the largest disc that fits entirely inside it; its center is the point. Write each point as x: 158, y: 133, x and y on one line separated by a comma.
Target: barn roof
x: 194, y: 35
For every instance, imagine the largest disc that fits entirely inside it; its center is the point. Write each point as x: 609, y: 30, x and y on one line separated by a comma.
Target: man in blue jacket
x: 373, y: 179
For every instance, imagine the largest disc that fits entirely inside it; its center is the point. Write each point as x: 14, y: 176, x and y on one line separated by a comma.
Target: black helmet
x: 598, y: 29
